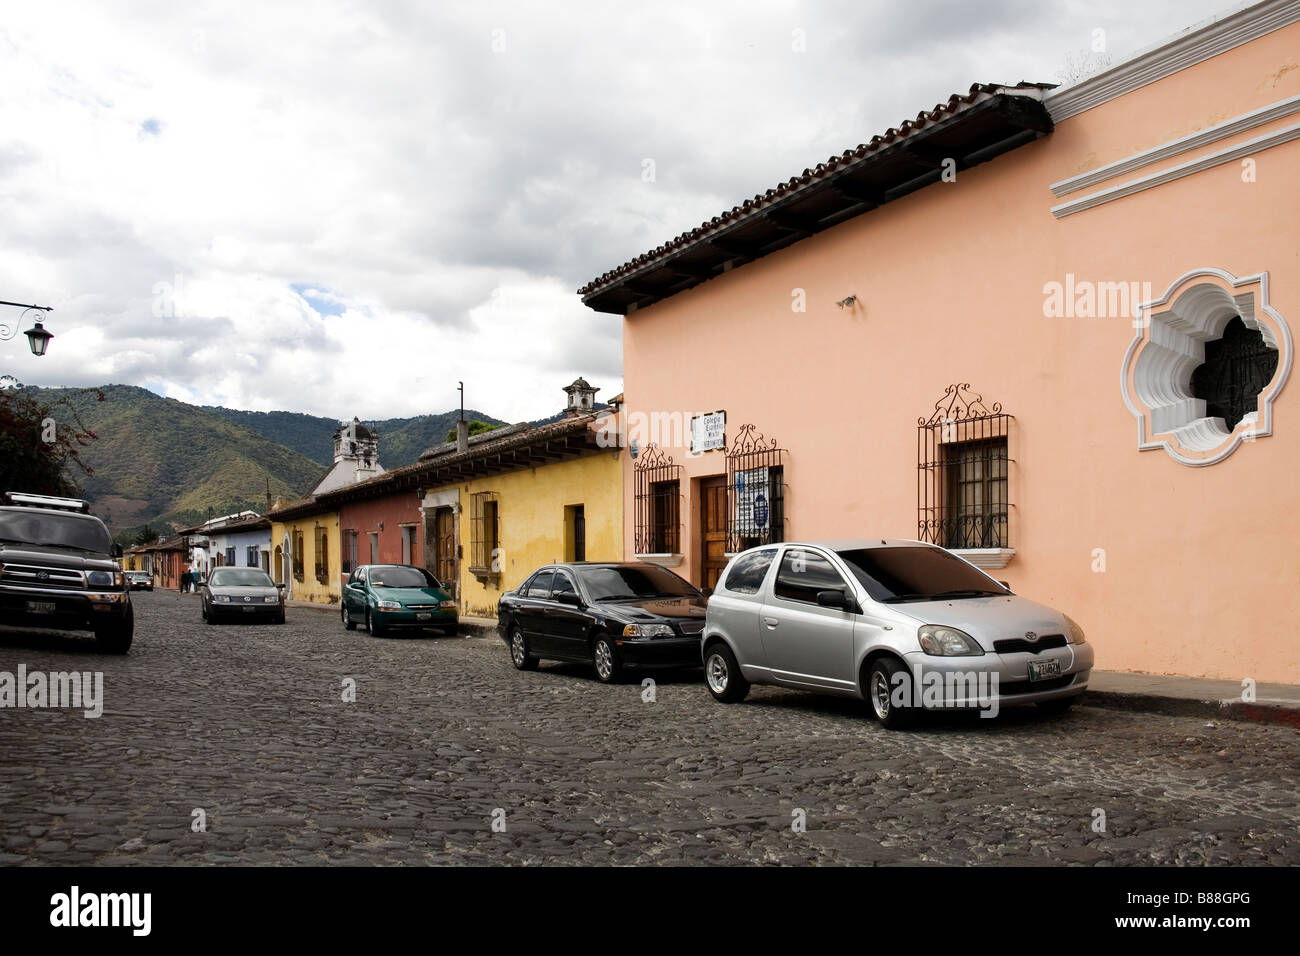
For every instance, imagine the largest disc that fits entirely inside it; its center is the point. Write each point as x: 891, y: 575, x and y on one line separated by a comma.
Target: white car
x: 902, y: 624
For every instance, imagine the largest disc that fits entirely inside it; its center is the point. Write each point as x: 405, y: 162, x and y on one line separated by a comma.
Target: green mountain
x: 401, y: 440
x: 171, y: 464
x: 163, y: 461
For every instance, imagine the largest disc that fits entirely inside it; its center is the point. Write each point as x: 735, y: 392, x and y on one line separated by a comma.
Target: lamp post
x: 37, y: 336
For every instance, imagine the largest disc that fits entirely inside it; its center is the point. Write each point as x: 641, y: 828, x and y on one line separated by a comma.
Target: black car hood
x: 656, y: 609
x: 55, y: 557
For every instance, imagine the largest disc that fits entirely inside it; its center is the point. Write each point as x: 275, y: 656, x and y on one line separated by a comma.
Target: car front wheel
x: 115, y: 637
x: 889, y: 691
x: 375, y: 630
x: 348, y: 623
x: 605, y: 660
x: 722, y: 674
x: 519, y: 655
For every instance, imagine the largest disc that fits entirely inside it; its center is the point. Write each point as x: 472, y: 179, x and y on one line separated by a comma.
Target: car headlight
x: 388, y: 605
x: 222, y: 599
x: 447, y: 605
x: 1076, y: 632
x: 939, y: 640
x: 271, y: 599
x: 104, y: 579
x: 647, y: 630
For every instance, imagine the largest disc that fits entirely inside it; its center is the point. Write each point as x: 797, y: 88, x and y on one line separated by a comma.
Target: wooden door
x: 444, y: 530
x: 713, y: 530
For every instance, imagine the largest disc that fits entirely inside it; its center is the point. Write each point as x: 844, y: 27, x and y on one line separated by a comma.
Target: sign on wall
x: 708, y: 432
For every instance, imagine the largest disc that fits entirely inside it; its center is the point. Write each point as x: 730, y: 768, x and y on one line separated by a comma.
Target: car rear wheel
x: 890, y: 694
x: 605, y: 660
x: 722, y: 674
x: 115, y: 637
x: 348, y: 623
x: 519, y: 655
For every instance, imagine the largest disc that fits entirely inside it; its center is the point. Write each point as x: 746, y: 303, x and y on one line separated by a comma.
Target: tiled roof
x: 955, y: 104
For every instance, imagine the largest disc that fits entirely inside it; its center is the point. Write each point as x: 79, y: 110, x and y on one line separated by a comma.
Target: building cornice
x: 1186, y: 48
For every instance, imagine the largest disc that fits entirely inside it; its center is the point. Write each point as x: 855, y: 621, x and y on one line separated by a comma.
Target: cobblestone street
x: 249, y: 725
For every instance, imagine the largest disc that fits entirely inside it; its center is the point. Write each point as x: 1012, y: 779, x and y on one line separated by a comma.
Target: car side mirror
x: 569, y: 597
x: 280, y: 587
x: 836, y: 598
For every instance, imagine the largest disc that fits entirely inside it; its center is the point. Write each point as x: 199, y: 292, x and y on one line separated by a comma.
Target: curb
x: 1191, y: 707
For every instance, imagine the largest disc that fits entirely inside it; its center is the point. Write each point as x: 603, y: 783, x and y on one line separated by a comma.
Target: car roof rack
x: 45, y: 501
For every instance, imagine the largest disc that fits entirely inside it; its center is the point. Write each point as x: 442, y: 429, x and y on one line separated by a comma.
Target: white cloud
x: 445, y: 199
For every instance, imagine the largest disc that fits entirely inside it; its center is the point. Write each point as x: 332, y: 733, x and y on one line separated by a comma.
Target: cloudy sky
x: 345, y: 208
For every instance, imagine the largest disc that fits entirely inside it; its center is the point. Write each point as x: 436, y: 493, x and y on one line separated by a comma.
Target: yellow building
x: 514, y: 521
x: 305, y: 551
x: 505, y: 502
x: 479, y: 513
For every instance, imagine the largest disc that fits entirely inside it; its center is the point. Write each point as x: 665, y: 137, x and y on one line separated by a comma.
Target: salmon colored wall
x: 394, y: 511
x: 1202, y: 570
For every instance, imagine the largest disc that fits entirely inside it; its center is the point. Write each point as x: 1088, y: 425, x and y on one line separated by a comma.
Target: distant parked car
x: 139, y: 580
x: 246, y: 594
x: 902, y: 624
x: 613, y: 616
x: 390, y: 596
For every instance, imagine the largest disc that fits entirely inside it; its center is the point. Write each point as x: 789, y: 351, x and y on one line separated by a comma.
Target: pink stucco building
x: 1048, y: 328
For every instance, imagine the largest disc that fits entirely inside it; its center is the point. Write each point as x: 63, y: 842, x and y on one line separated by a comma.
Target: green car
x: 390, y: 596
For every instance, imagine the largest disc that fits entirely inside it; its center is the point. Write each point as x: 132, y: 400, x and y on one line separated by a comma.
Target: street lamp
x: 37, y: 336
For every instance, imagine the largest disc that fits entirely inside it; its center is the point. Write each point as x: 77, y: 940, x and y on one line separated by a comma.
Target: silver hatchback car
x: 902, y: 624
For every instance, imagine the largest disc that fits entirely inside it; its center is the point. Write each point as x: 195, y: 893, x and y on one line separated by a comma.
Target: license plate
x: 40, y: 607
x: 423, y: 616
x: 1041, y: 670
x: 249, y: 609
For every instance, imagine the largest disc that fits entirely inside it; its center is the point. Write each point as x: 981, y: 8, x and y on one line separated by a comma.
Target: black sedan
x: 616, y: 617
x: 246, y: 594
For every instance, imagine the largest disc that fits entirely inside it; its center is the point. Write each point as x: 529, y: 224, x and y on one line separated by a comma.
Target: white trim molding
x: 1169, y: 344
x: 663, y: 560
x: 1187, y: 48
x: 1209, y: 161
x: 1176, y: 147
x: 989, y: 559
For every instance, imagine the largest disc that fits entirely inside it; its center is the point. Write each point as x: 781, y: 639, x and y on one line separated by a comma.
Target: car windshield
x: 920, y: 573
x: 397, y: 577
x: 240, y: 578
x: 622, y: 583
x: 55, y: 529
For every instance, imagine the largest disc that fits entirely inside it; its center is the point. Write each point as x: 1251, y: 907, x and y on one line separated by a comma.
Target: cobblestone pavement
x: 248, y: 724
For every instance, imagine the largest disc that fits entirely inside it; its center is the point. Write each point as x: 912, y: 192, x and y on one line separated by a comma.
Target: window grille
x: 484, y: 532
x: 755, y: 491
x: 658, y: 503
x: 962, y: 465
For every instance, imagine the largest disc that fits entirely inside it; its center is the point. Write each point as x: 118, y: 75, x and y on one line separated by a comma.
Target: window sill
x: 987, y: 559
x: 485, y: 576
x: 663, y: 559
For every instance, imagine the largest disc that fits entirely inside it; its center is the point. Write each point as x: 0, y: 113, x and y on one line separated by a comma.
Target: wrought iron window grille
x: 658, y: 503
x: 962, y: 472
x: 756, y: 490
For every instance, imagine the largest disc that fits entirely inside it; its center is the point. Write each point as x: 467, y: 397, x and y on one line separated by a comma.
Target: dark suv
x: 57, y: 571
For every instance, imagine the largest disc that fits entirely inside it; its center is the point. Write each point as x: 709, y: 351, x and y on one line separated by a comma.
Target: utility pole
x: 460, y: 386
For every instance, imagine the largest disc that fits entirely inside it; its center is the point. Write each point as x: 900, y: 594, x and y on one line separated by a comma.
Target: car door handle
x: 771, y: 621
